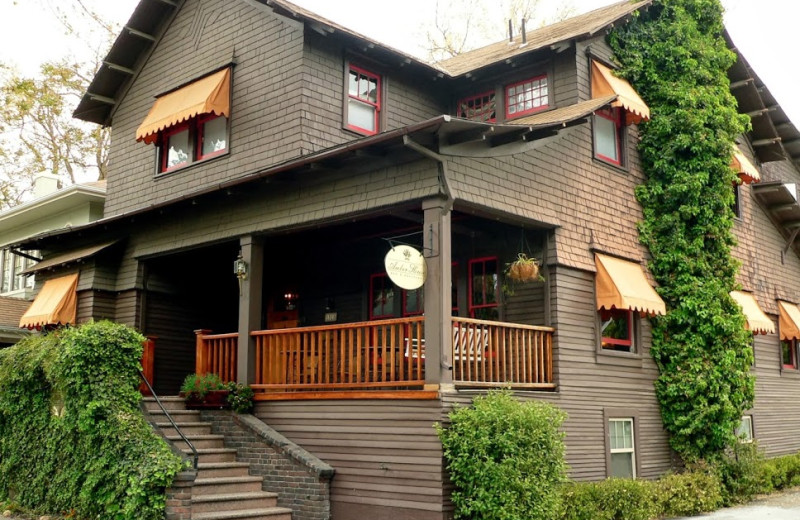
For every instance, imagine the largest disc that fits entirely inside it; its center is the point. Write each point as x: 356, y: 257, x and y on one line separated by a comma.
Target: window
x: 622, y: 460
x: 526, y: 97
x: 789, y: 353
x: 737, y: 203
x: 414, y: 302
x: 382, y: 292
x: 484, y: 289
x: 608, y: 130
x: 198, y: 139
x: 364, y: 101
x: 616, y: 330
x: 478, y: 108
x: 744, y: 432
x: 11, y: 267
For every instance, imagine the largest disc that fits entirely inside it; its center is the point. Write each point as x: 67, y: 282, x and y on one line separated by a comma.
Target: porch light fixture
x: 240, y: 270
x: 291, y: 300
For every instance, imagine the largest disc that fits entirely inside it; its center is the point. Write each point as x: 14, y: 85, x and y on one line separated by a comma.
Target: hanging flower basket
x: 523, y: 269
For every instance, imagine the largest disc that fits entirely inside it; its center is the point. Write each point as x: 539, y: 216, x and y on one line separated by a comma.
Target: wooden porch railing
x: 216, y: 353
x: 491, y: 353
x: 384, y: 354
x: 371, y: 354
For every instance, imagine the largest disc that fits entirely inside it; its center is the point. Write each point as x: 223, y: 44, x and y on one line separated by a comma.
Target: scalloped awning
x: 621, y: 284
x: 56, y: 304
x: 209, y: 95
x: 757, y: 321
x: 744, y: 168
x: 789, y: 321
x: 605, y: 83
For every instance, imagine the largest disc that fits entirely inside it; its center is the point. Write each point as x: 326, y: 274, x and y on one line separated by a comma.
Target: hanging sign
x: 406, y: 267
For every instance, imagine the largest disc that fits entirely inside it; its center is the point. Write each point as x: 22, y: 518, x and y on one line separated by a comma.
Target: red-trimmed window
x: 616, y: 329
x: 789, y: 353
x: 414, y: 302
x: 364, y: 101
x: 382, y: 293
x: 526, y: 97
x: 484, y: 289
x: 195, y: 140
x: 608, y: 129
x: 481, y: 108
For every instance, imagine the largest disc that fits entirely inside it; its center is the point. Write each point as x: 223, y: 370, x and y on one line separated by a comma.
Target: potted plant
x: 204, y: 391
x: 523, y: 269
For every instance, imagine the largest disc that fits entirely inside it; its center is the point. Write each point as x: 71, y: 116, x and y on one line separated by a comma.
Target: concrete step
x: 271, y: 513
x: 188, y: 428
x: 170, y: 403
x: 234, y: 501
x: 179, y: 416
x: 199, y: 441
x: 213, y: 454
x: 226, y: 485
x: 223, y: 469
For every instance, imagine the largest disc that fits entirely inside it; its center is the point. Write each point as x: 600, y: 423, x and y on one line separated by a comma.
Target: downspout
x: 444, y: 182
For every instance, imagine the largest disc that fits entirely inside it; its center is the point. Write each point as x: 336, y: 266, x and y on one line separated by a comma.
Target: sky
x: 765, y: 31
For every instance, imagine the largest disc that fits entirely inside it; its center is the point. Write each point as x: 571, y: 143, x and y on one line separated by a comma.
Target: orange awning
x: 605, y: 83
x: 209, y: 95
x: 757, y: 321
x: 55, y: 304
x: 622, y: 285
x: 744, y: 168
x: 789, y: 322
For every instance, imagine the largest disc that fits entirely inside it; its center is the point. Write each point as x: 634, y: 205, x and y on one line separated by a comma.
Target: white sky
x: 764, y: 31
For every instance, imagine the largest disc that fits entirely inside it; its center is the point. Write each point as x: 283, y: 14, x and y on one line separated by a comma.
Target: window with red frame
x: 789, y: 353
x: 608, y: 129
x: 616, y: 330
x: 478, y: 108
x: 526, y: 97
x: 414, y: 301
x: 364, y: 101
x: 195, y: 140
x: 382, y: 293
x: 484, y: 289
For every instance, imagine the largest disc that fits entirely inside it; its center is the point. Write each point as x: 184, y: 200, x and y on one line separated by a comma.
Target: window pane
x: 178, y: 149
x: 744, y: 432
x: 605, y: 138
x: 414, y: 302
x: 215, y: 135
x: 622, y: 465
x: 5, y: 256
x: 787, y: 352
x: 361, y: 115
x: 372, y: 93
x: 620, y: 434
x: 353, y: 87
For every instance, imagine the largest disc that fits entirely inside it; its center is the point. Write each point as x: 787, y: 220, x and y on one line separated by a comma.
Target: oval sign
x: 406, y: 267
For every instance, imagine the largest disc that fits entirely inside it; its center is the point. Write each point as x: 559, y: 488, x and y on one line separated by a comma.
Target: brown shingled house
x: 304, y: 152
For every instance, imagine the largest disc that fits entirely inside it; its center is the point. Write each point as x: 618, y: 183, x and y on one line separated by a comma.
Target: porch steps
x: 224, y: 488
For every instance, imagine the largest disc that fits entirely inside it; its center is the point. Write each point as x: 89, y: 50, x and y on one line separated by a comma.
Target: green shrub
x: 612, y: 499
x: 197, y: 386
x: 72, y: 436
x: 741, y: 474
x: 505, y: 458
x: 780, y: 473
x: 240, y: 397
x: 689, y: 493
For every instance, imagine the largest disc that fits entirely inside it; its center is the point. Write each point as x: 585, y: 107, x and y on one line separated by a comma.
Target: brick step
x: 199, y: 441
x: 234, y: 501
x: 270, y: 513
x: 213, y: 454
x: 223, y: 469
x: 170, y: 403
x: 226, y: 485
x: 188, y: 428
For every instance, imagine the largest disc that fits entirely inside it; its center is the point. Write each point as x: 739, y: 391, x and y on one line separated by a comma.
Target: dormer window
x: 189, y: 124
x: 481, y: 108
x: 363, y: 101
x: 526, y: 97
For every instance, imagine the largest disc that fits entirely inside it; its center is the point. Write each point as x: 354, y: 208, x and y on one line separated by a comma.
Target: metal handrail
x: 195, y: 455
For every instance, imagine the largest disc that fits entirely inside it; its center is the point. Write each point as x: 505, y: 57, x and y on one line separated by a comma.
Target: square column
x: 250, y: 307
x: 438, y: 293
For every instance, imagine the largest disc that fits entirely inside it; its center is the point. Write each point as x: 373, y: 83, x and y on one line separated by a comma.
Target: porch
x: 383, y: 358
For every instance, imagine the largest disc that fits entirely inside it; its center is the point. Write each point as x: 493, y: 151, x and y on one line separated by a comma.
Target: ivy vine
x: 675, y: 56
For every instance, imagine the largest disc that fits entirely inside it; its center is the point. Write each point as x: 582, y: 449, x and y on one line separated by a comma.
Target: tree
x: 463, y: 25
x: 37, y: 131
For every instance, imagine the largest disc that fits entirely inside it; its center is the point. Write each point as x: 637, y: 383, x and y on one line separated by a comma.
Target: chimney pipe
x: 510, y: 32
x: 524, y: 36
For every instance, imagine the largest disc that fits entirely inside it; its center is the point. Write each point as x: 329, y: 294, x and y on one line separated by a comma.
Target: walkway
x: 779, y: 506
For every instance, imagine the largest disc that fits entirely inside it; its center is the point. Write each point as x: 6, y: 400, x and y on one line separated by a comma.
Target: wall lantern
x: 240, y: 270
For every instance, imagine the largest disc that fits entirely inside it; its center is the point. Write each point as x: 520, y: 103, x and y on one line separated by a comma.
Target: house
x: 257, y: 185
x: 52, y: 208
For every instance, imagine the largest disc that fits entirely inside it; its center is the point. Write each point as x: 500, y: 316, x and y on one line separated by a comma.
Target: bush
x: 612, y: 499
x: 741, y: 473
x: 72, y: 436
x: 689, y: 493
x: 505, y: 458
x: 197, y: 386
x: 240, y: 397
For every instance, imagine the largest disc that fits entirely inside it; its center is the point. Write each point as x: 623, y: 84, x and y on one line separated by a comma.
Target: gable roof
x: 577, y: 27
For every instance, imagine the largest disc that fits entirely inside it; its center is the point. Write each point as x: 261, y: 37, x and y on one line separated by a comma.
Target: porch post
x: 250, y: 311
x: 437, y: 294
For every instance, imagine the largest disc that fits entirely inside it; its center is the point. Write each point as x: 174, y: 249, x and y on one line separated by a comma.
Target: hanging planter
x: 523, y: 269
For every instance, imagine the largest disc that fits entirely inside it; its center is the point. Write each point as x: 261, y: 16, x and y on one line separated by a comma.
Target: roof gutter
x: 444, y: 182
